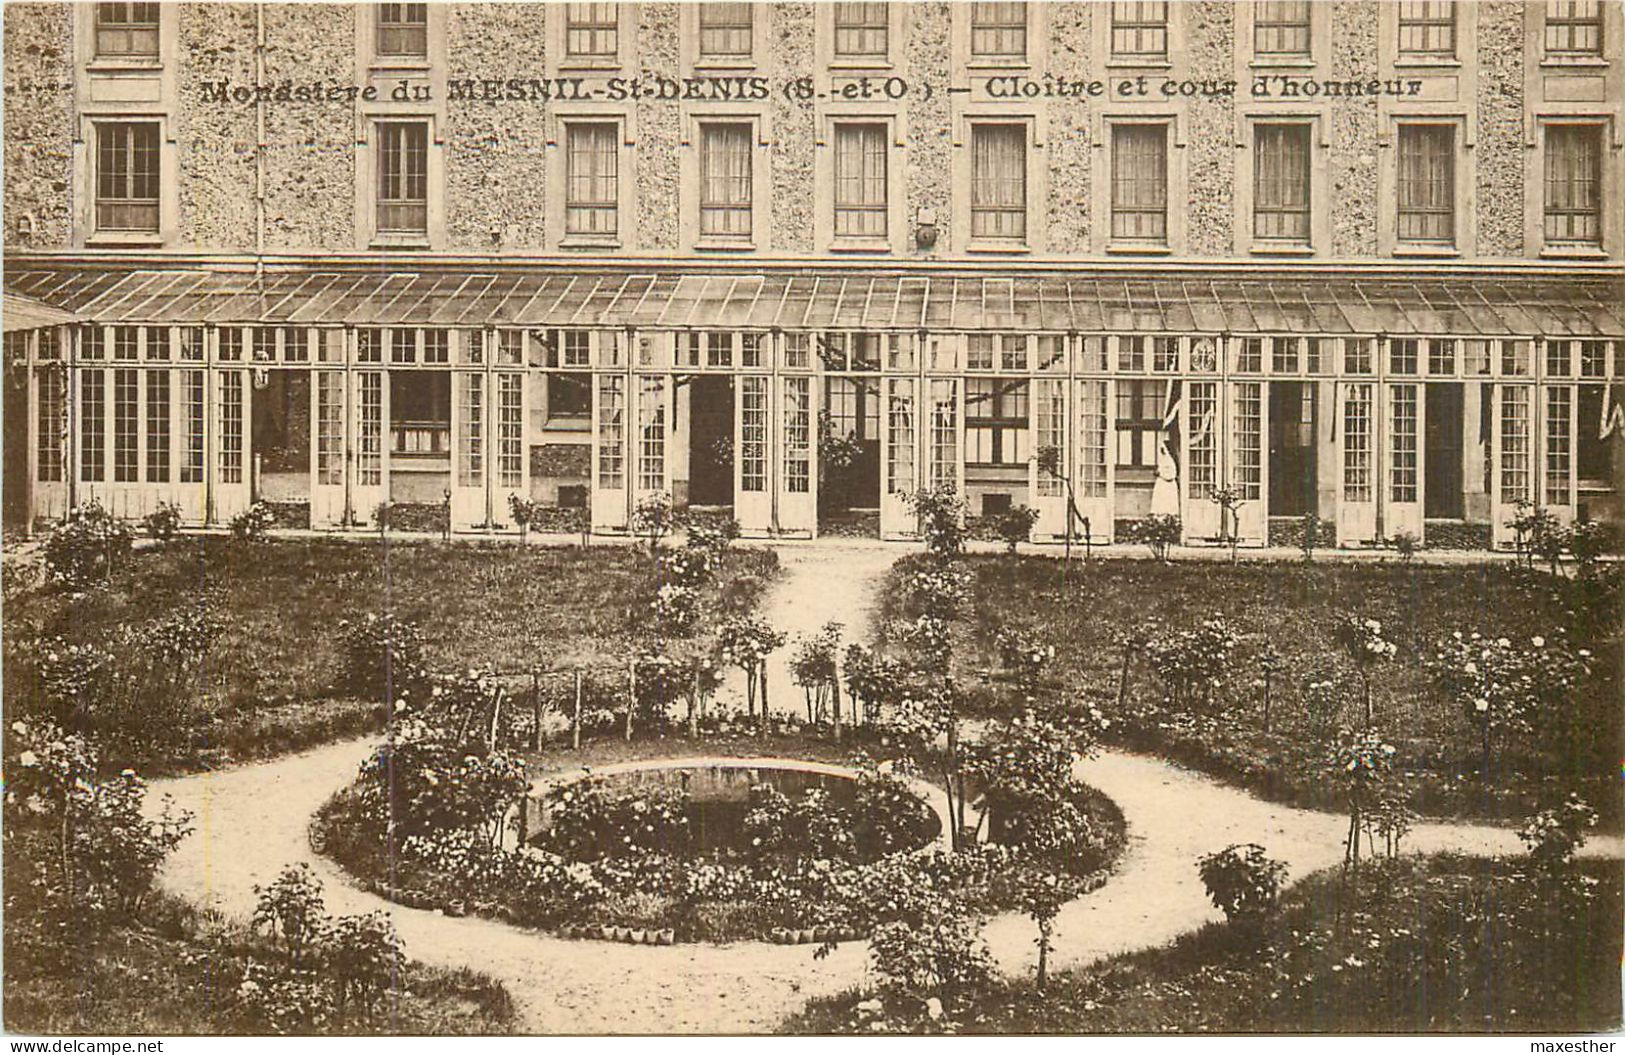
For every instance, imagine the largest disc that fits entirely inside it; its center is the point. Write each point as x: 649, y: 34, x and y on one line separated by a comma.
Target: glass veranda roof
x: 1052, y: 302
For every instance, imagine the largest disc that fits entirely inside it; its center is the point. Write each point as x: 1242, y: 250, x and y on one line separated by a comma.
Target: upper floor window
x: 1140, y: 183
x: 1281, y: 29
x: 127, y: 31
x: 592, y: 31
x: 862, y: 31
x: 1281, y: 183
x: 403, y: 177
x: 1427, y: 184
x: 725, y: 180
x: 1574, y: 184
x: 1140, y: 29
x: 127, y: 165
x: 860, y: 180
x: 998, y: 31
x: 403, y: 30
x: 1427, y: 29
x: 998, y: 182
x: 1573, y: 27
x: 591, y: 179
x: 725, y: 32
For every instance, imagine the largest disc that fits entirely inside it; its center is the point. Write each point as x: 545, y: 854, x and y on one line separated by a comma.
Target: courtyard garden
x: 636, y: 744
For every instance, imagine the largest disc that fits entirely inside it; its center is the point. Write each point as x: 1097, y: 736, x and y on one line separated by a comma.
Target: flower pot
x: 779, y: 935
x: 636, y: 937
x: 608, y: 933
x: 804, y: 936
x: 666, y: 937
x: 823, y: 934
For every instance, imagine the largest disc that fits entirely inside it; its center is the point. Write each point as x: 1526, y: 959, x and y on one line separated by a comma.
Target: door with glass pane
x: 753, y: 495
x: 1402, y: 468
x: 798, y: 475
x: 471, y: 449
x: 945, y: 461
x: 1512, y: 430
x: 1249, y: 461
x: 609, y: 468
x: 369, y: 402
x: 1357, y: 463
x: 1093, y: 468
x: 49, y: 425
x: 651, y: 468
x: 1558, y: 427
x: 234, y: 393
x: 1051, y: 461
x: 510, y: 465
x: 327, y: 414
x: 1201, y: 433
x: 899, y: 458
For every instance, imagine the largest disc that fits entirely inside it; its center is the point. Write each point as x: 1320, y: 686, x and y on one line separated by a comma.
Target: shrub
x: 1192, y: 663
x: 592, y: 819
x: 941, y: 515
x: 363, y: 958
x: 1406, y: 544
x: 284, y: 1002
x: 873, y: 682
x: 427, y: 778
x: 1588, y: 541
x: 87, y: 547
x: 524, y: 512
x: 291, y: 911
x: 1242, y: 882
x: 164, y: 522
x: 653, y: 519
x: 383, y: 655
x: 939, y: 955
x: 1159, y: 532
x: 1015, y: 525
x: 1509, y: 688
x: 255, y: 522
x: 1553, y: 836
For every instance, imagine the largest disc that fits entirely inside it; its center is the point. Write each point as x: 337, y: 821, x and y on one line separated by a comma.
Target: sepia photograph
x: 813, y: 518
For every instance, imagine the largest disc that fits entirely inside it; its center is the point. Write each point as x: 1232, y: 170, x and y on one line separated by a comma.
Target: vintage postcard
x: 813, y: 518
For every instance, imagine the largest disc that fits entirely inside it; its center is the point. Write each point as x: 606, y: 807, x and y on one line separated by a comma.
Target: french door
x: 752, y: 462
x: 1357, y: 463
x: 609, y: 468
x: 329, y: 415
x: 1403, y: 471
x: 1051, y: 464
x: 899, y: 458
x: 798, y: 476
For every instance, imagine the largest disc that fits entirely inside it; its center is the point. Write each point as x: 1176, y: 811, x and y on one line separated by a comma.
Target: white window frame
x: 368, y: 159
x: 825, y: 185
x: 558, y: 167
x: 761, y: 186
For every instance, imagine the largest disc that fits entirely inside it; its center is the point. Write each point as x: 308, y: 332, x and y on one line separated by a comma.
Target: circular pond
x: 720, y: 808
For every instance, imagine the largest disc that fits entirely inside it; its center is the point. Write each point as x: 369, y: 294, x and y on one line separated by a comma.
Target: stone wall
x: 928, y: 158
x: 39, y: 124
x: 495, y: 153
x: 794, y: 135
x: 1210, y: 37
x: 659, y: 133
x: 309, y: 149
x: 1499, y: 156
x: 1353, y: 151
x: 216, y: 141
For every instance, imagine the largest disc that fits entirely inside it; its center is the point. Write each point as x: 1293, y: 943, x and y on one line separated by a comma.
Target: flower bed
x: 617, y: 865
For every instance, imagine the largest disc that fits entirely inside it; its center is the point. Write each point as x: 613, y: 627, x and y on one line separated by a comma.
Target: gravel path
x: 252, y: 821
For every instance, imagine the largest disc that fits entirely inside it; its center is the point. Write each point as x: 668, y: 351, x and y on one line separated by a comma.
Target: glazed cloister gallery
x: 813, y: 399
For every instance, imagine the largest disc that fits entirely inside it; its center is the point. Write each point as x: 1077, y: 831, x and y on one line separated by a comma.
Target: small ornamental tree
x: 937, y: 953
x: 872, y: 682
x: 383, y: 655
x: 1358, y: 762
x: 1025, y: 659
x: 1230, y: 501
x: 1242, y: 882
x: 815, y: 668
x: 1270, y: 666
x: 1366, y: 647
x: 746, y: 642
x: 364, y: 959
x: 1160, y: 532
x: 428, y: 778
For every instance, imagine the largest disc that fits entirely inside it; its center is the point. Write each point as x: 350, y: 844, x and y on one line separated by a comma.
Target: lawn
x: 271, y: 682
x: 1294, y: 608
x: 1440, y: 944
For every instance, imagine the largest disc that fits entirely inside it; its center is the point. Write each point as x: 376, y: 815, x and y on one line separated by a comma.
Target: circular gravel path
x: 253, y: 820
